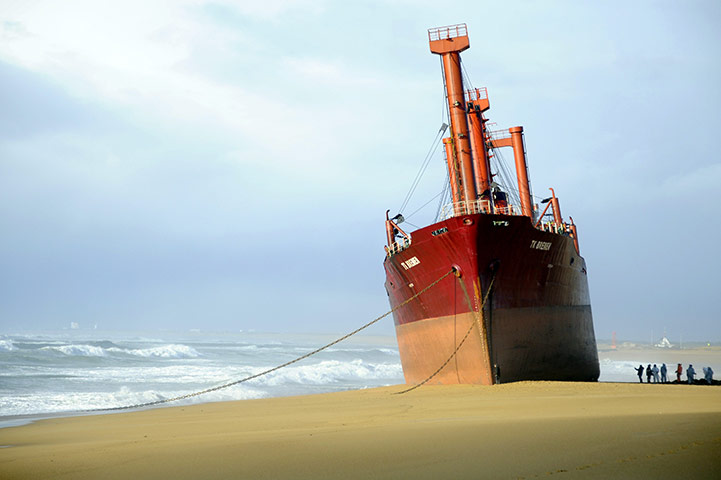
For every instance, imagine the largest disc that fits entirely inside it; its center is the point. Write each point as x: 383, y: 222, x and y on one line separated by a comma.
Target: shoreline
x: 10, y: 421
x: 516, y: 430
x: 617, y: 365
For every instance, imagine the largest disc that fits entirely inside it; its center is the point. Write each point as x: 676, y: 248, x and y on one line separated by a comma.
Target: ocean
x: 73, y: 370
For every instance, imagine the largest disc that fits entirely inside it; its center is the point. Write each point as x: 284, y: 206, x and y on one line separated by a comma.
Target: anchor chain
x: 266, y: 372
x: 460, y: 344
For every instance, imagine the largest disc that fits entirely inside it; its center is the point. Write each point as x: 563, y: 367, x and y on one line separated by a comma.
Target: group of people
x: 652, y: 374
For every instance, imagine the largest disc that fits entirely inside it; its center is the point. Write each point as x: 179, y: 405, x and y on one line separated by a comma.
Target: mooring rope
x: 460, y: 344
x: 270, y: 370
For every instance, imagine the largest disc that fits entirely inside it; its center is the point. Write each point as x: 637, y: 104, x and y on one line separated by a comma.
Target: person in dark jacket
x: 639, y: 370
x: 649, y: 373
x: 664, y: 371
x: 708, y: 375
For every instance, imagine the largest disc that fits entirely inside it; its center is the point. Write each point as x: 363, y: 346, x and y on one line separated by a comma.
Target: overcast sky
x: 227, y: 165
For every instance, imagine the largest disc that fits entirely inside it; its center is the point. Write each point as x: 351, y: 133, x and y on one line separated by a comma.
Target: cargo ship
x: 495, y: 290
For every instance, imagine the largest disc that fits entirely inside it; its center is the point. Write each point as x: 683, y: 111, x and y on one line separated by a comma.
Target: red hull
x: 536, y: 324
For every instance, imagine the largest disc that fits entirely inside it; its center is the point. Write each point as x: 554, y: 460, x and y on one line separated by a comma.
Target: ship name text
x: 539, y: 245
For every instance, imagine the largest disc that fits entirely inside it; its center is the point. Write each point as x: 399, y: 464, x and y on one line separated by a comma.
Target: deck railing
x: 458, y: 209
x: 397, y: 247
x: 553, y: 227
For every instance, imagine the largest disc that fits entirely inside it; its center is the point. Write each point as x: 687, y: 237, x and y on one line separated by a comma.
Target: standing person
x: 649, y: 373
x: 679, y: 371
x: 690, y: 372
x: 654, y: 370
x: 664, y: 370
x: 708, y: 374
x: 639, y: 370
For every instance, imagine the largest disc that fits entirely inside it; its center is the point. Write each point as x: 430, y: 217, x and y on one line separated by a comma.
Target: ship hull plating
x: 536, y: 323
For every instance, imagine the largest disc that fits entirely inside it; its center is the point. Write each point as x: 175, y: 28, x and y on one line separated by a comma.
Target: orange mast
x: 574, y: 231
x: 452, y: 170
x: 557, y: 218
x: 519, y: 155
x: 448, y: 42
x: 477, y: 104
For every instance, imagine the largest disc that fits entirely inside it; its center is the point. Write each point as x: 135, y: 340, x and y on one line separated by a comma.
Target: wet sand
x: 520, y: 430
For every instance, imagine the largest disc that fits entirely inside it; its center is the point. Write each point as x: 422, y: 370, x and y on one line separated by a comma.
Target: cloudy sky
x: 227, y: 165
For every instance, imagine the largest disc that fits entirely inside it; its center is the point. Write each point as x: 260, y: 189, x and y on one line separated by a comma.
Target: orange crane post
x: 448, y: 42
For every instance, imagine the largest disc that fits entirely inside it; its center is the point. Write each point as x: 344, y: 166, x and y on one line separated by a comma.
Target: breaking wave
x: 332, y: 371
x: 79, y: 401
x: 163, y: 351
x: 67, y: 372
x: 78, y: 350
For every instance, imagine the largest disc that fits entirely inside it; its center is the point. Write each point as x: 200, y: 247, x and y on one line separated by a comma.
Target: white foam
x: 78, y: 350
x: 388, y: 351
x: 332, y: 371
x: 81, y: 350
x: 134, y: 372
x: 163, y: 351
x: 123, y: 397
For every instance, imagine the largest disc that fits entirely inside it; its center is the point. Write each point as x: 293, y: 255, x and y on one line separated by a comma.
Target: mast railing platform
x: 447, y: 32
x: 499, y: 134
x: 477, y: 94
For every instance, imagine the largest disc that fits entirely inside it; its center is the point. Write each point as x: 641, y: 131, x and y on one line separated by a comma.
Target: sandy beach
x: 520, y: 430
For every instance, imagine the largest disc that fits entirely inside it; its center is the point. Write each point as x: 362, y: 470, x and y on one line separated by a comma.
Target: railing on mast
x: 447, y: 32
x: 477, y: 94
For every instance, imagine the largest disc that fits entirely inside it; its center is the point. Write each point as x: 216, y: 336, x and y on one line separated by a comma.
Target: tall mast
x: 448, y: 42
x: 452, y: 170
x: 519, y: 155
x: 515, y: 140
x: 557, y: 217
x: 477, y: 104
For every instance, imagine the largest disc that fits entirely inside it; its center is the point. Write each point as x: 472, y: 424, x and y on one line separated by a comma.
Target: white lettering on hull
x: 539, y: 245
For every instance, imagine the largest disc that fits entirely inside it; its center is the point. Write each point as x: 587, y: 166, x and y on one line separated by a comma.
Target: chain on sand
x: 266, y: 372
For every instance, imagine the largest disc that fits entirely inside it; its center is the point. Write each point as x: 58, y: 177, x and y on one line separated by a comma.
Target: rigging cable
x: 466, y: 78
x: 412, y: 224
x: 444, y: 197
x: 506, y: 176
x: 423, y: 206
x: 434, y: 148
x: 424, y: 165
